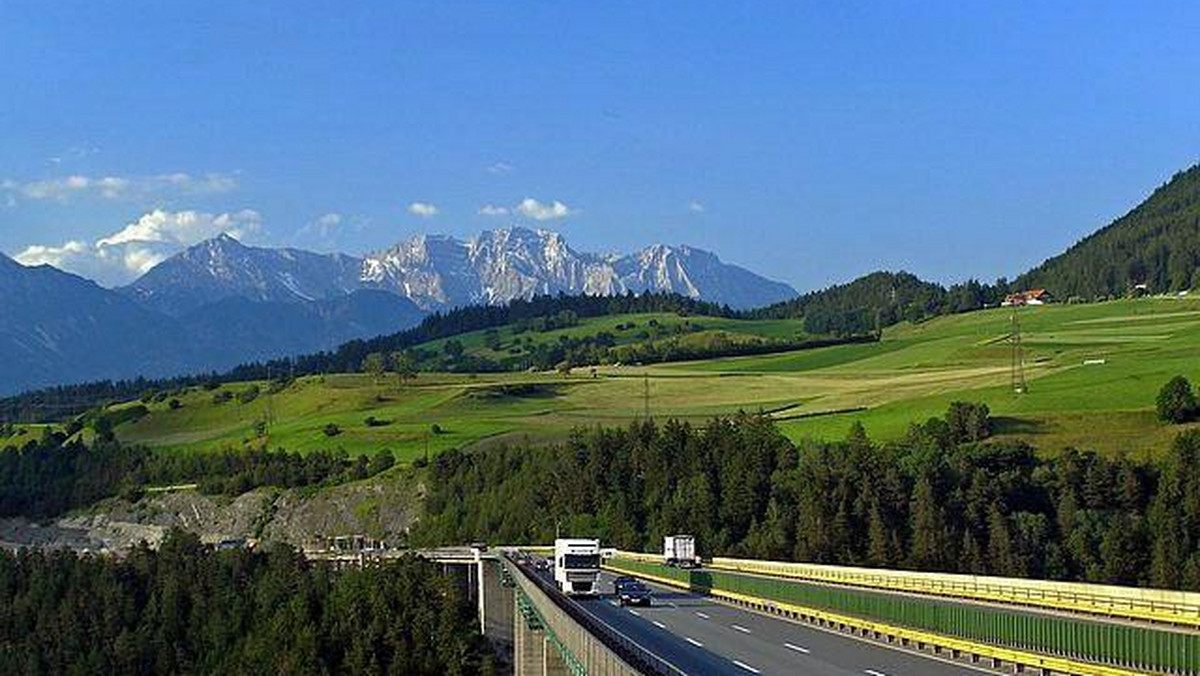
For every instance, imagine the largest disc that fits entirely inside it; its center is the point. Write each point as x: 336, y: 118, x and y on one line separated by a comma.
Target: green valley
x: 1092, y: 370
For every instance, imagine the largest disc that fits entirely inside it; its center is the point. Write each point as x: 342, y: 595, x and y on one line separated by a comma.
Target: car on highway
x: 631, y: 591
x: 622, y: 580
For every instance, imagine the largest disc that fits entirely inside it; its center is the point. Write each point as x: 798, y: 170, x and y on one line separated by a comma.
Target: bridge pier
x: 497, y: 608
x: 529, y: 649
x: 553, y: 664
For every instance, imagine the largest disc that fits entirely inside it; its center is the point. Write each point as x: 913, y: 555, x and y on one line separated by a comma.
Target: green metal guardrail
x: 1131, y: 646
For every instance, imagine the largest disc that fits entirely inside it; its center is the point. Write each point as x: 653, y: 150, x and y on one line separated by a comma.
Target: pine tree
x: 930, y: 547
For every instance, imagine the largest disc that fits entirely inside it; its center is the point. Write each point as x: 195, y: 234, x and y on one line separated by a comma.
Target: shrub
x: 968, y: 421
x: 332, y: 430
x: 1176, y: 401
x: 175, y: 404
x: 381, y: 461
x: 249, y: 394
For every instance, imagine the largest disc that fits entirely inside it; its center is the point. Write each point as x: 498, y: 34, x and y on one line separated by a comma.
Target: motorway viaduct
x: 539, y: 631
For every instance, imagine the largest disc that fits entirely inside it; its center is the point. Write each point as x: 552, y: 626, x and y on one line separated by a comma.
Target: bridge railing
x: 1152, y: 605
x: 1068, y: 644
x: 589, y: 641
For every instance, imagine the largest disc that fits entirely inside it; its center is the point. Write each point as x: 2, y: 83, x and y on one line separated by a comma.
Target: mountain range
x: 438, y: 272
x: 220, y: 303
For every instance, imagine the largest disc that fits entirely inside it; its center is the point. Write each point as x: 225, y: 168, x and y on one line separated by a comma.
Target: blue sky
x: 810, y: 142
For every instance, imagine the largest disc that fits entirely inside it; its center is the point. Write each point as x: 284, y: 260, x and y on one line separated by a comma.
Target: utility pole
x: 1017, y: 367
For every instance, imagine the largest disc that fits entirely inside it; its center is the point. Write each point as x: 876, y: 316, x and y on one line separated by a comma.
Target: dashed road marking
x: 703, y: 616
x: 738, y: 627
x: 658, y: 624
x: 872, y: 672
x: 793, y: 646
x: 747, y: 667
x: 634, y: 612
x: 693, y: 641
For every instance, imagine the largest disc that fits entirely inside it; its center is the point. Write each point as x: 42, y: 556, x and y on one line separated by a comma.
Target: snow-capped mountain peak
x: 500, y: 265
x: 223, y: 267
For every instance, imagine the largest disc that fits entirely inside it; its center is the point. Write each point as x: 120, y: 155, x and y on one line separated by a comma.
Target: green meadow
x: 1092, y: 373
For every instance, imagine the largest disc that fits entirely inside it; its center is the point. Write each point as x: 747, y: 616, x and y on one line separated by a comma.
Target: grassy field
x: 912, y: 374
x: 625, y: 330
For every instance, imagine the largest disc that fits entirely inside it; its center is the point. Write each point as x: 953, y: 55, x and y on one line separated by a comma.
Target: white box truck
x: 680, y: 551
x: 577, y: 566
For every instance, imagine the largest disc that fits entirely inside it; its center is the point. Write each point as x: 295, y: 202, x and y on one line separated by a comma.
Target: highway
x: 700, y: 636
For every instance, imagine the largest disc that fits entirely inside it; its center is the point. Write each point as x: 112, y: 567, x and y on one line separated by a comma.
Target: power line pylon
x: 1017, y: 368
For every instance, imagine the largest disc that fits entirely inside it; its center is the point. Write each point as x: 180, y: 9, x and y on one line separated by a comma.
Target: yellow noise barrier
x: 1153, y: 605
x: 910, y: 636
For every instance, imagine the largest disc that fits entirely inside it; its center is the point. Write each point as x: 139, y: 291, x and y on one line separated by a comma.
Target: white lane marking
x: 747, y: 667
x: 793, y: 646
x: 872, y: 672
x: 658, y: 624
x: 738, y: 627
x: 634, y: 612
x: 614, y: 604
x: 703, y: 616
x: 671, y: 604
x: 693, y: 641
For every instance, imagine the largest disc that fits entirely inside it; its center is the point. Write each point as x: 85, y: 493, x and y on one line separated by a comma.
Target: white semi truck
x: 680, y: 550
x: 577, y: 566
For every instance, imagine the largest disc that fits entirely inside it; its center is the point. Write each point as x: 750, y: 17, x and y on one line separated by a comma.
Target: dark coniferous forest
x: 941, y: 499
x: 1156, y: 244
x: 185, y: 609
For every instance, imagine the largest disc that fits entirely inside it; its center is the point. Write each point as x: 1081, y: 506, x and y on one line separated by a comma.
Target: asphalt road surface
x: 701, y: 637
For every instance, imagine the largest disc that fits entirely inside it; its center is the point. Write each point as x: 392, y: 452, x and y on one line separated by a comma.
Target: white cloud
x: 423, y: 209
x: 500, y: 168
x: 531, y: 208
x: 63, y: 188
x: 695, y: 207
x: 329, y: 222
x: 155, y: 236
x: 73, y: 153
x: 493, y: 210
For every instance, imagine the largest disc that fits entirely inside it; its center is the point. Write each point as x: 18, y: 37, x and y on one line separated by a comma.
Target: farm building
x: 1030, y: 297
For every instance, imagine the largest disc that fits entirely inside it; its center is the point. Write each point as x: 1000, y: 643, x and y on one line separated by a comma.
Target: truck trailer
x: 680, y: 551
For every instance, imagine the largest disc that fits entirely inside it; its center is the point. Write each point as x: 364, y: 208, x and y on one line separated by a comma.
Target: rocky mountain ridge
x: 439, y: 272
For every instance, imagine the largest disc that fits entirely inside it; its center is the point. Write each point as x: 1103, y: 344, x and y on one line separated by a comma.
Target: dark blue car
x: 631, y: 591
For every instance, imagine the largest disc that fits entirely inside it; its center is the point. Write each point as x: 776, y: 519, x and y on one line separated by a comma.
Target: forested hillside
x: 186, y: 609
x: 1157, y: 244
x: 881, y: 299
x: 937, y: 500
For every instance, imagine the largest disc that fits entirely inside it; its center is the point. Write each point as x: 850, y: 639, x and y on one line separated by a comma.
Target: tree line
x: 880, y: 299
x: 58, y: 403
x: 655, y: 343
x: 186, y: 609
x: 52, y: 474
x: 943, y: 498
